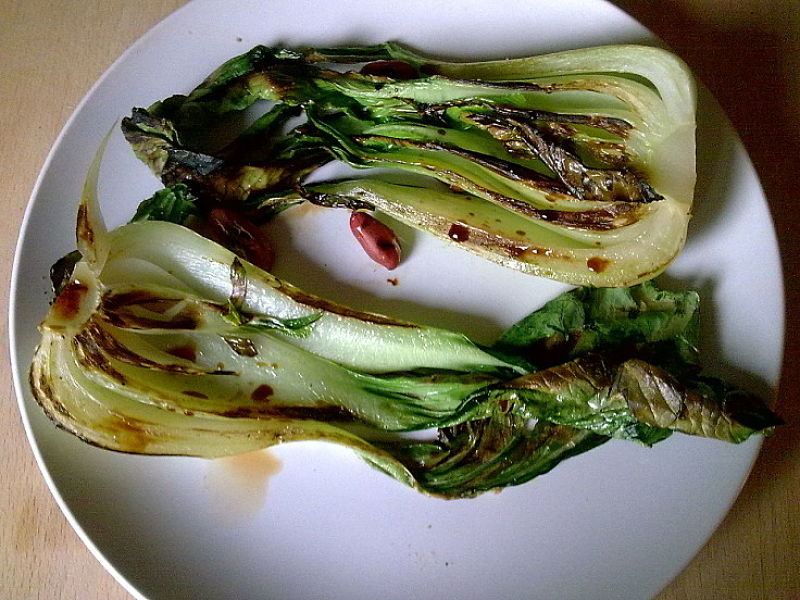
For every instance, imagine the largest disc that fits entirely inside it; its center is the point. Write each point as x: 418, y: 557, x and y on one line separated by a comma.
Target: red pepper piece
x: 240, y: 235
x: 379, y: 241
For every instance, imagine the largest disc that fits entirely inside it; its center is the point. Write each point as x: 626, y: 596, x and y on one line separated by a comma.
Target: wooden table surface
x: 746, y: 51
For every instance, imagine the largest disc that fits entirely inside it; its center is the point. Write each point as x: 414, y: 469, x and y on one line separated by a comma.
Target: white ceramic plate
x: 310, y: 520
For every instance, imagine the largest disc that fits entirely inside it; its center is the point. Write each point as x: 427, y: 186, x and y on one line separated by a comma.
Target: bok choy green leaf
x: 577, y: 165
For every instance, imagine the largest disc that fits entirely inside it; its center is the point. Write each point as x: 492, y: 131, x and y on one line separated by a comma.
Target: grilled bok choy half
x: 163, y: 342
x: 577, y: 165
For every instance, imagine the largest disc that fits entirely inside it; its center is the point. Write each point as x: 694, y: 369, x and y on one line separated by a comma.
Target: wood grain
x: 746, y: 51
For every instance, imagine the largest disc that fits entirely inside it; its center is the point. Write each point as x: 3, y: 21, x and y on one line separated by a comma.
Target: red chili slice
x: 240, y: 235
x: 378, y: 241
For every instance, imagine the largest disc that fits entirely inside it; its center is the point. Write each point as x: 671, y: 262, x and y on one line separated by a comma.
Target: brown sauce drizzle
x: 129, y: 434
x: 186, y: 351
x: 262, y: 393
x: 526, y: 252
x: 597, y: 264
x: 458, y: 232
x: 239, y: 483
